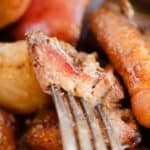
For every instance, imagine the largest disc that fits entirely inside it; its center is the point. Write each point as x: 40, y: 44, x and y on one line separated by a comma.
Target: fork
x: 80, y: 123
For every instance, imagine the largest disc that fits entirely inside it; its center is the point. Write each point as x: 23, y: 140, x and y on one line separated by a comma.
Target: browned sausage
x: 129, y: 54
x: 7, y: 131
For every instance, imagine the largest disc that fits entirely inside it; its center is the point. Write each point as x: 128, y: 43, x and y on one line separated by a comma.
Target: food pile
x: 41, y: 47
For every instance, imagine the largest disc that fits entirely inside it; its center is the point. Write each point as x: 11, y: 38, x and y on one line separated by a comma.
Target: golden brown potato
x: 19, y: 89
x: 11, y: 10
x: 7, y: 131
x: 44, y: 132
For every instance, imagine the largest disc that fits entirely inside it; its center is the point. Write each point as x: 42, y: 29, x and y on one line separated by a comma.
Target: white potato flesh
x: 19, y: 89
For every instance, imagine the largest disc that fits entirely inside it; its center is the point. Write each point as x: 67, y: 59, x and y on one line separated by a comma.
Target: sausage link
x: 129, y: 54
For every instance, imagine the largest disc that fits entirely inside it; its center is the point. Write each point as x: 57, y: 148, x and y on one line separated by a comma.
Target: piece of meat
x: 44, y: 132
x: 7, y: 131
x: 58, y: 18
x: 129, y: 54
x: 56, y: 62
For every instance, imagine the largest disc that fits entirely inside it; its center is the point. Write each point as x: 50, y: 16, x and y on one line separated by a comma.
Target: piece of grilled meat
x: 56, y: 62
x: 7, y: 131
x: 44, y: 132
x: 130, y: 55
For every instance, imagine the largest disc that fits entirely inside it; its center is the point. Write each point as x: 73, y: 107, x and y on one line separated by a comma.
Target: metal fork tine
x: 82, y: 126
x: 115, y: 144
x: 68, y: 137
x: 86, y: 124
x: 94, y: 124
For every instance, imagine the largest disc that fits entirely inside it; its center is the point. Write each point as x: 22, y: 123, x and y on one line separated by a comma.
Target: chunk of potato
x: 19, y: 89
x: 11, y: 11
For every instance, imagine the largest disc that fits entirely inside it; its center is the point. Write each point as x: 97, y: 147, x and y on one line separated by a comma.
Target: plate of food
x: 88, y: 60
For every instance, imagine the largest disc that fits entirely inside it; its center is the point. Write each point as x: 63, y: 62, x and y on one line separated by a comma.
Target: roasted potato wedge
x: 19, y: 88
x: 11, y: 11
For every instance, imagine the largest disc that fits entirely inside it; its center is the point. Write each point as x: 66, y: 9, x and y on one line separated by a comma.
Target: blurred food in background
x: 11, y: 11
x: 67, y: 20
x: 59, y: 18
x: 8, y: 130
x: 19, y: 89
